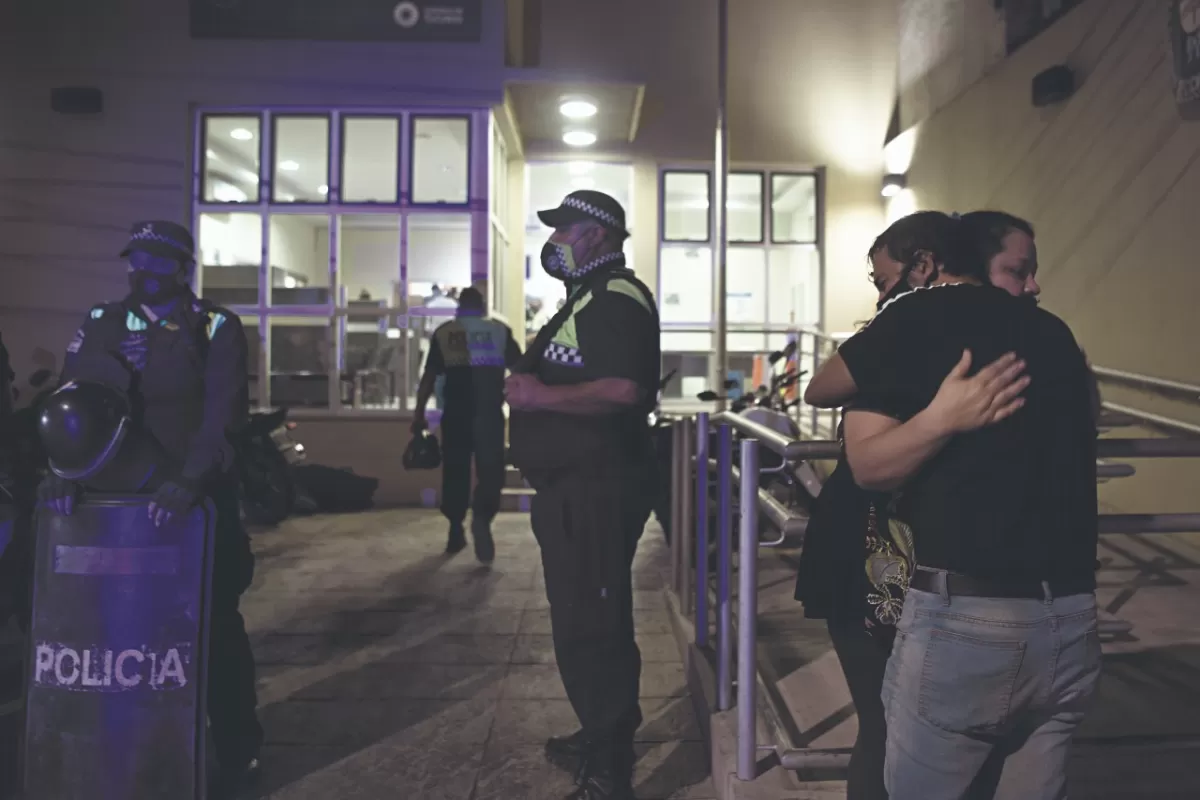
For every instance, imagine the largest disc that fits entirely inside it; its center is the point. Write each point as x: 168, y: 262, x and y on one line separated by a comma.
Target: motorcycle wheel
x: 270, y: 497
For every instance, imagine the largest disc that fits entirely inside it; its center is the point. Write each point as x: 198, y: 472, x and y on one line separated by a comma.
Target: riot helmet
x: 89, y: 436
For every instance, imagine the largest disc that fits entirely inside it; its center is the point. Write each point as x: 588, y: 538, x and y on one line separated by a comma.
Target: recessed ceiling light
x: 241, y: 134
x: 579, y: 138
x: 323, y: 190
x: 577, y: 108
x: 290, y: 166
x: 584, y: 182
x: 580, y: 167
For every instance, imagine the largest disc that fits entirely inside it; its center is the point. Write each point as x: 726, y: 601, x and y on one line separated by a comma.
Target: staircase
x: 516, y: 495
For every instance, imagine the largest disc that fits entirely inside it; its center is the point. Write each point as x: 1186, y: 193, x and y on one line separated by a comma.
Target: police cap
x: 586, y: 205
x: 161, y: 238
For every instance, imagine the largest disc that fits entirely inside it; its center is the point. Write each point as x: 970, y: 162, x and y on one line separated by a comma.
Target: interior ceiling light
x: 580, y: 167
x: 579, y: 138
x: 290, y: 166
x: 577, y: 108
x: 241, y: 134
x: 893, y: 184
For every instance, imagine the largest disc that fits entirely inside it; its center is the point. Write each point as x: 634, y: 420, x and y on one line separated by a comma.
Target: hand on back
x: 966, y: 403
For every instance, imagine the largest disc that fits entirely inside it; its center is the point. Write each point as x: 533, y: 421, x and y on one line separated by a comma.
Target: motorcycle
x: 267, y: 454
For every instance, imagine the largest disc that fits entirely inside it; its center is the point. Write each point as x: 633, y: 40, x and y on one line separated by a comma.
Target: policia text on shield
x: 152, y: 387
x: 580, y: 399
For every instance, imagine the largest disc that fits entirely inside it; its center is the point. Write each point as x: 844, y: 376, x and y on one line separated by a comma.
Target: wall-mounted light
x: 893, y: 184
x: 579, y: 138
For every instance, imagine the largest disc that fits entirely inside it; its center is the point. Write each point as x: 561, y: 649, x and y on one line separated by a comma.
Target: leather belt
x: 965, y: 586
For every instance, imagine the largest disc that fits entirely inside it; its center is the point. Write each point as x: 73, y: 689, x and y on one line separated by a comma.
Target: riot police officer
x: 186, y: 364
x: 579, y: 430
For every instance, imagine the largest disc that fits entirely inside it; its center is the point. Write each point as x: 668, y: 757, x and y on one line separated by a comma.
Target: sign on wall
x: 339, y: 20
x: 1183, y: 26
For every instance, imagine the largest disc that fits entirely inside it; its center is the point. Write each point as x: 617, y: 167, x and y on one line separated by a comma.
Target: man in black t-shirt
x: 471, y: 352
x: 579, y: 428
x: 996, y: 651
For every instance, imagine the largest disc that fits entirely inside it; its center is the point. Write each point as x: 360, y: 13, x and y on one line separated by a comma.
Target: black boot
x: 457, y: 540
x: 567, y: 752
x: 485, y: 546
x: 603, y: 784
x: 228, y: 783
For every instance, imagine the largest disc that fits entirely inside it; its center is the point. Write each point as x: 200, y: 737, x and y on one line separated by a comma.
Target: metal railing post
x: 724, y: 567
x: 702, y: 508
x: 686, y: 508
x: 676, y: 471
x: 747, y: 742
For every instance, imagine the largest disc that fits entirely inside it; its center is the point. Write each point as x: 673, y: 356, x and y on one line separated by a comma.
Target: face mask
x: 558, y: 260
x: 153, y: 289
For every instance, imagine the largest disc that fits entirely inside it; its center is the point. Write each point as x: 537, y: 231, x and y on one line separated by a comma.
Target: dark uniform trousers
x: 236, y: 733
x: 587, y: 524
x: 464, y: 436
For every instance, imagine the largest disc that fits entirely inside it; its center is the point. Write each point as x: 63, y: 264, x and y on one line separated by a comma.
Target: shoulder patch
x: 629, y: 289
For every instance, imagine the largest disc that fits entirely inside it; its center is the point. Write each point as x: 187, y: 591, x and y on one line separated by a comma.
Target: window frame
x: 413, y: 118
x: 201, y: 157
x: 344, y: 118
x: 763, y: 176
x: 271, y: 167
x: 664, y: 174
x: 818, y: 207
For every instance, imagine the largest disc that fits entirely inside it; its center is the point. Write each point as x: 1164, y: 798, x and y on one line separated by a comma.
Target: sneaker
x: 602, y: 785
x: 457, y: 540
x: 485, y: 546
x: 567, y: 752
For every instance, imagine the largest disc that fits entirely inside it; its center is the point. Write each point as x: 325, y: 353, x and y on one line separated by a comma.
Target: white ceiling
x: 369, y: 170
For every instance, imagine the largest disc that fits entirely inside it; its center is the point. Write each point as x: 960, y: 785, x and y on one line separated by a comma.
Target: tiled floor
x: 388, y: 670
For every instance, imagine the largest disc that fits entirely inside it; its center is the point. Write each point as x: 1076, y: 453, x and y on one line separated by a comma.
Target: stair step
x: 513, y: 479
x: 516, y: 499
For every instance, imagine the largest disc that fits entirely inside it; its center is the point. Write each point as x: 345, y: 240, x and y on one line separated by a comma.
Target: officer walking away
x: 471, y: 352
x: 187, y: 360
x: 579, y: 429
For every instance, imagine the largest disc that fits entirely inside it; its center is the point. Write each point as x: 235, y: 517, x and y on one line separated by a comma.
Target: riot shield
x: 118, y: 653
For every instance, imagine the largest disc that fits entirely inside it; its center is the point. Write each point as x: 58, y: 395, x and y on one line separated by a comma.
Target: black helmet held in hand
x: 423, y: 452
x: 89, y: 437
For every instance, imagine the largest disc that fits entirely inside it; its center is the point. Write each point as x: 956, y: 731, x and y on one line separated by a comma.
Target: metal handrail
x: 1156, y: 420
x: 754, y: 501
x: 1148, y: 381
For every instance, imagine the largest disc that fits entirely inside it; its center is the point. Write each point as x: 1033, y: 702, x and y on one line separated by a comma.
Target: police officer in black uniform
x: 579, y: 431
x: 186, y: 360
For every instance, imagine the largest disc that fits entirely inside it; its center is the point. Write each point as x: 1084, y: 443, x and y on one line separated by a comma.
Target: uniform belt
x: 965, y: 586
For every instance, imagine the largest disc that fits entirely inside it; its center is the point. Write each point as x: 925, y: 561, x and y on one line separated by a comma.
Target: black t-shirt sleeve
x: 883, y: 359
x: 615, y: 334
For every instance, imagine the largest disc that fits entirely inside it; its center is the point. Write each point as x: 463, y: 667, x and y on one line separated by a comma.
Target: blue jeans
x: 983, y: 695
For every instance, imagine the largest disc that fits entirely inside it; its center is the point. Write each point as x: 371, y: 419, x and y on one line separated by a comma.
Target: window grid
x: 261, y: 317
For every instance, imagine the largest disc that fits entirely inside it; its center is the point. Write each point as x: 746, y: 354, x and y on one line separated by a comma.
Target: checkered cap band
x: 147, y: 234
x: 592, y: 211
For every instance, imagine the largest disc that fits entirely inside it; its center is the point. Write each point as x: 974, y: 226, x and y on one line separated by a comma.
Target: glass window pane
x: 299, y: 256
x: 685, y: 285
x: 794, y: 286
x: 745, y: 206
x: 794, y: 208
x: 300, y: 173
x: 687, y: 354
x: 254, y: 354
x: 440, y: 159
x: 369, y: 261
x: 686, y: 197
x: 439, y: 263
x: 232, y: 147
x: 230, y: 247
x: 372, y: 364
x: 300, y: 361
x: 370, y: 160
x: 746, y: 286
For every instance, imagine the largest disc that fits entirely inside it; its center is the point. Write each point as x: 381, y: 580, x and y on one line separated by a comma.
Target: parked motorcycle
x: 267, y: 454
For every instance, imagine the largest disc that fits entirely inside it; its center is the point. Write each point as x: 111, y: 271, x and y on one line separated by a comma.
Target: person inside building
x: 471, y: 353
x: 579, y: 430
x: 857, y: 554
x: 996, y: 657
x: 186, y: 360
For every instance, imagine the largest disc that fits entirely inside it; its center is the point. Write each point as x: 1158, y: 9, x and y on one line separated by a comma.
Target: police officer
x: 187, y: 362
x: 579, y: 429
x: 471, y: 353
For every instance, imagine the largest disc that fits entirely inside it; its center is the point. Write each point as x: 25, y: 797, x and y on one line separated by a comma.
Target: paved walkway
x: 388, y: 670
